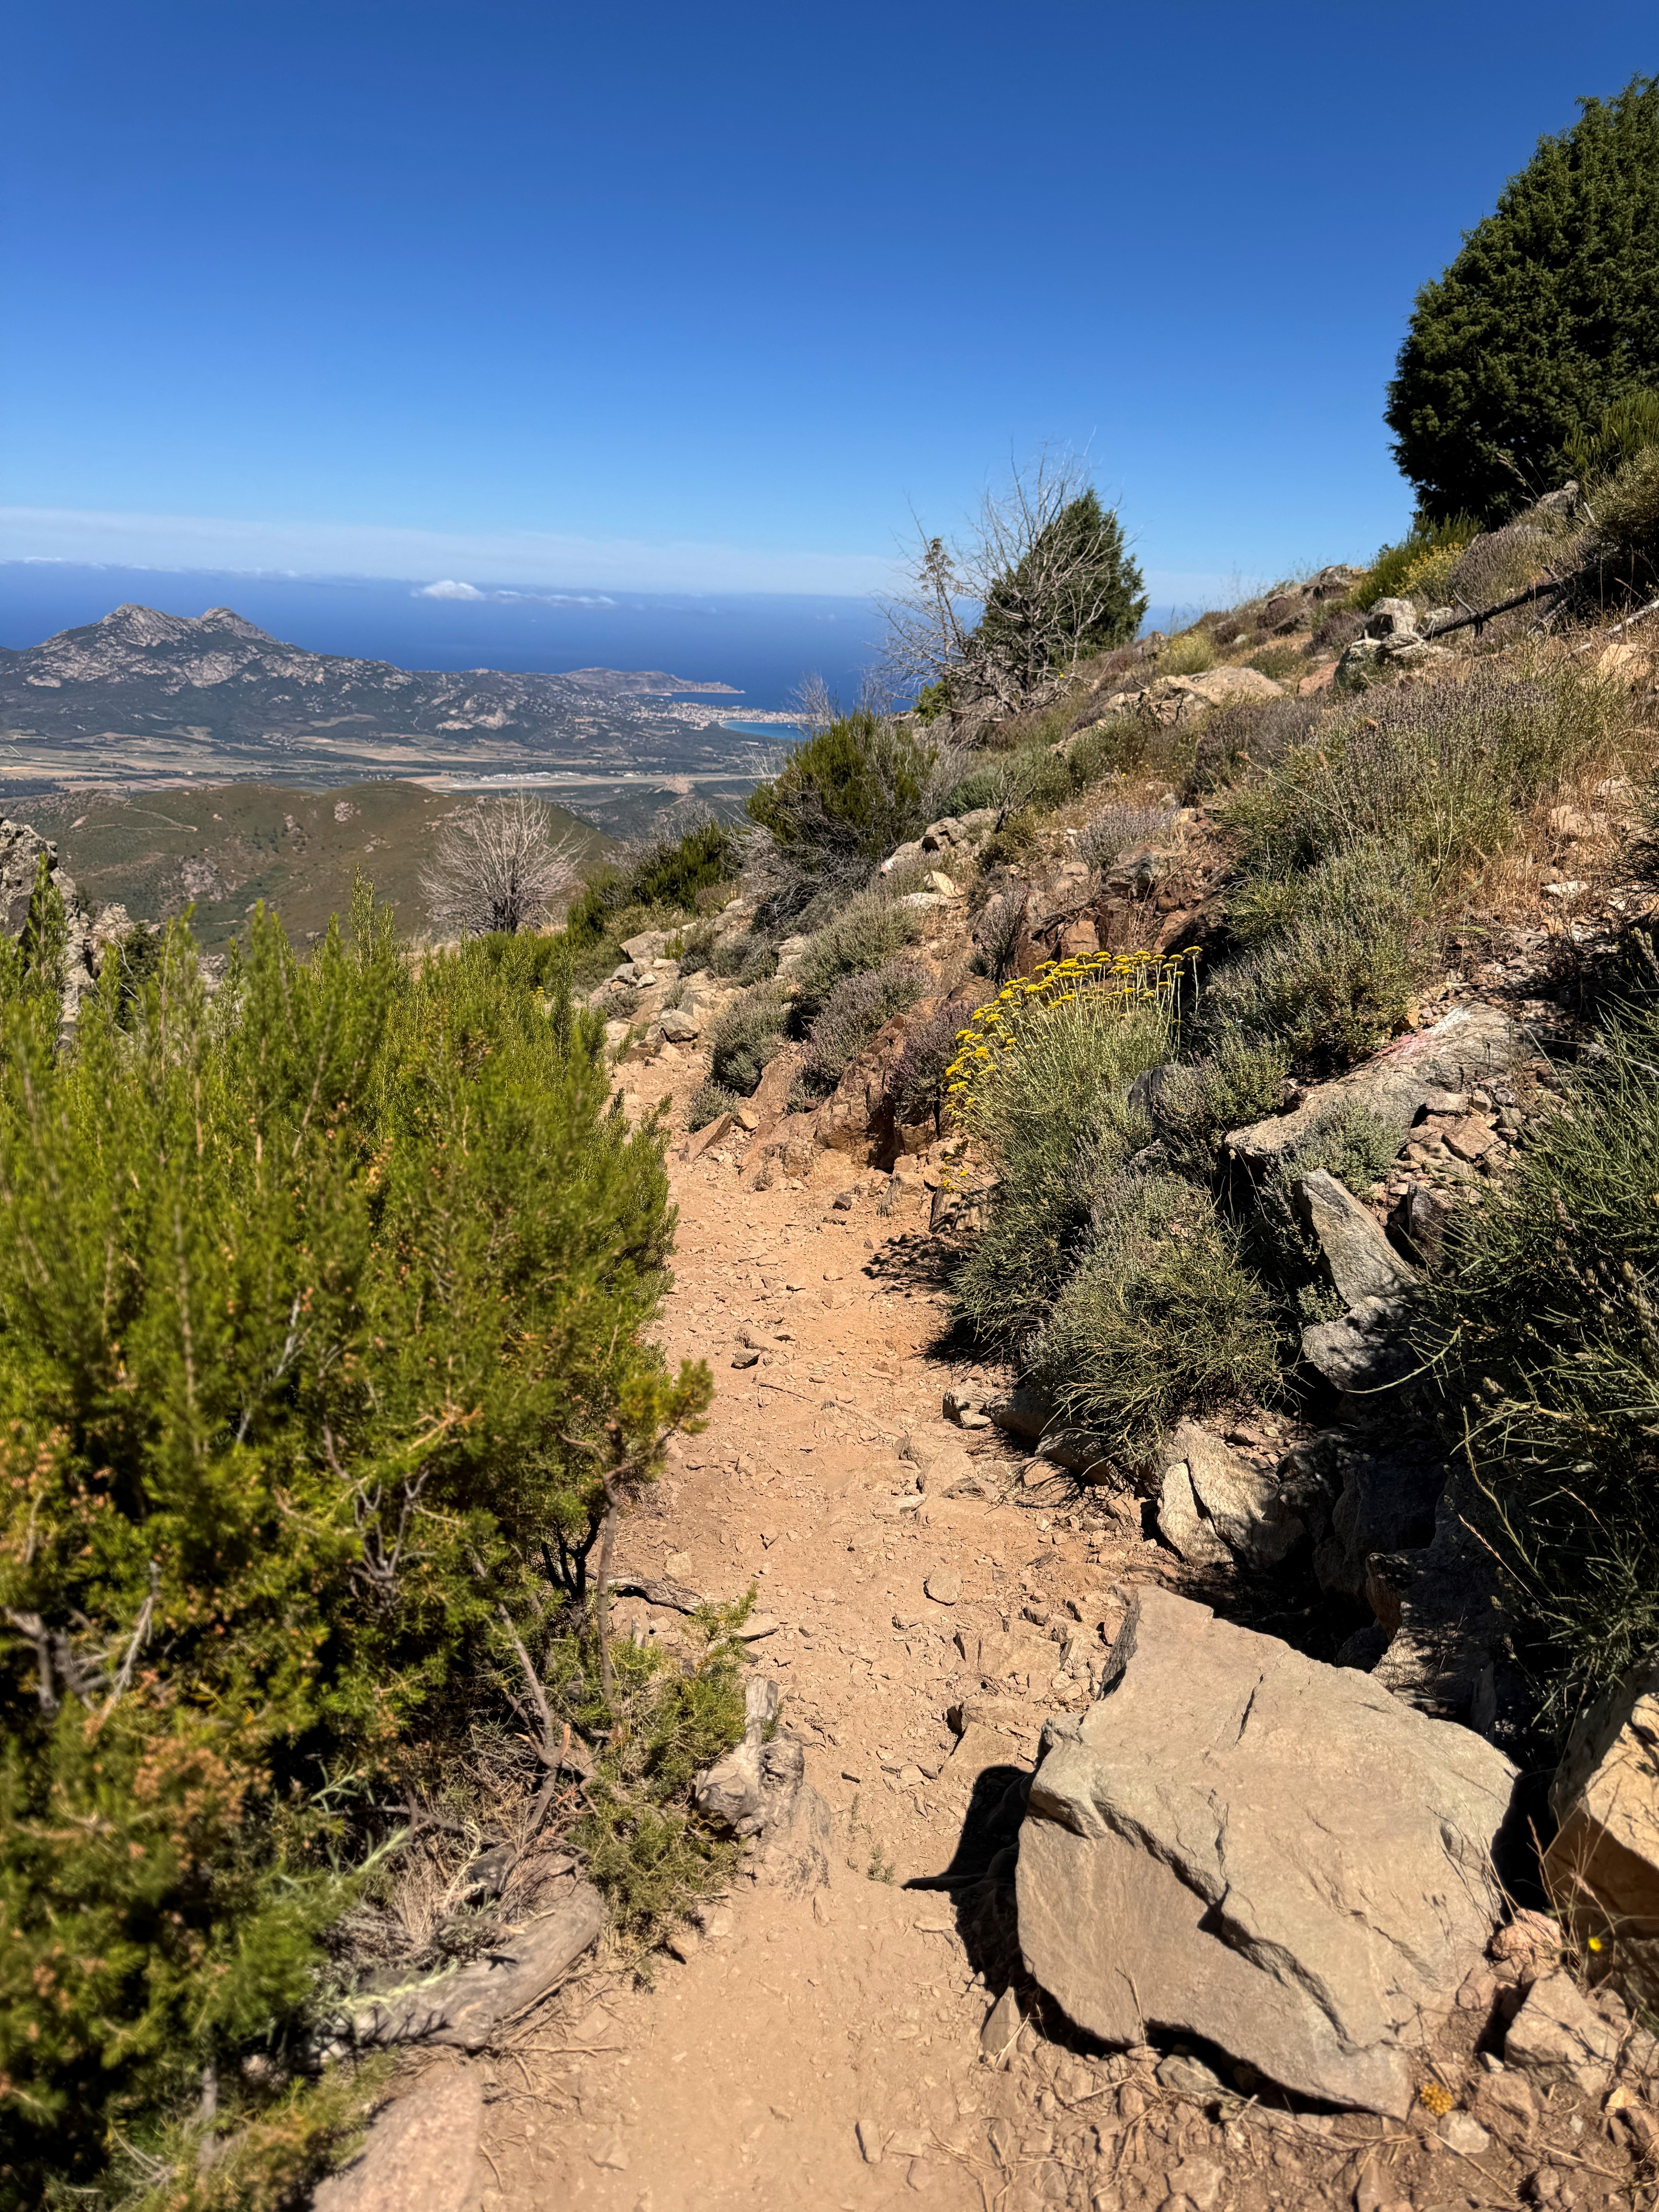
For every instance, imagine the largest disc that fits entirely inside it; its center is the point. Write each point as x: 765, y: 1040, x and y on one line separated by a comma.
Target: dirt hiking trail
x: 838, y: 2048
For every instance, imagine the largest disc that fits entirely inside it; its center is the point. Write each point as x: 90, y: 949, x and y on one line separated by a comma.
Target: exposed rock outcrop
x: 1602, y: 1867
x: 88, y: 937
x: 1239, y: 1844
x: 1466, y: 1047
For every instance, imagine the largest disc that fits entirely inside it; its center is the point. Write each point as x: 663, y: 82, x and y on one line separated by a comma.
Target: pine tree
x: 1075, y: 593
x: 1549, y: 312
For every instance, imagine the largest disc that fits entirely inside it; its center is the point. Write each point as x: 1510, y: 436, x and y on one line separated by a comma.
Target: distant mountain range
x: 142, y: 698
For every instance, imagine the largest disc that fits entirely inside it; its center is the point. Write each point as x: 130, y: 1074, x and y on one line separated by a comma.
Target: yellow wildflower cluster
x: 1110, y: 984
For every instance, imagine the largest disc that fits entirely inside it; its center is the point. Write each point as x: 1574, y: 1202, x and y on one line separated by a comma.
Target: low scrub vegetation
x: 854, y: 1010
x: 322, y: 1367
x: 1159, y: 1318
x: 1541, y: 1334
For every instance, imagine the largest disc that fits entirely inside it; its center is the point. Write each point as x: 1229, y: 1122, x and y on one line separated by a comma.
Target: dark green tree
x: 1549, y: 312
x: 1073, y: 593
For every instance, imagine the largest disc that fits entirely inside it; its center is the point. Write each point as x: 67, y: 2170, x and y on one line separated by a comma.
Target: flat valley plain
x: 197, y: 761
x: 221, y: 850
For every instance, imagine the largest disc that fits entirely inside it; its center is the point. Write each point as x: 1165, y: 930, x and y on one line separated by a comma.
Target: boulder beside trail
x: 1238, y: 1844
x: 1467, y: 1047
x: 421, y: 2153
x: 1214, y: 1506
x: 1602, y: 1867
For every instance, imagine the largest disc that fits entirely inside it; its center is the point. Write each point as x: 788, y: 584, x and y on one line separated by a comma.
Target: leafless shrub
x: 497, y: 867
x: 1117, y: 828
x: 998, y: 931
x: 1052, y: 588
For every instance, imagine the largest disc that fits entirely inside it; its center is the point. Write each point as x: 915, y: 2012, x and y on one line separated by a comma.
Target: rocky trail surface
x: 873, y: 2037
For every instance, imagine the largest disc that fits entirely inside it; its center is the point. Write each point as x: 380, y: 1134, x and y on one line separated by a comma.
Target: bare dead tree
x: 1000, y: 613
x: 497, y: 868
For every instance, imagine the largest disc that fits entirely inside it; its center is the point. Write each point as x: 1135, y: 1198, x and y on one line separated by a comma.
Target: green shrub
x: 1543, y: 317
x: 671, y: 875
x: 846, y: 797
x: 1542, y: 1328
x: 1035, y: 621
x: 1627, y: 513
x: 708, y: 1101
x: 1278, y: 661
x: 1198, y: 1102
x: 1058, y: 1127
x: 748, y: 1036
x: 1387, y: 575
x: 854, y: 1010
x: 1350, y: 1143
x: 872, y: 928
x: 1160, y: 1318
x: 320, y: 1307
x: 1629, y: 426
x: 1339, y: 956
x: 1438, y: 773
x: 1189, y: 653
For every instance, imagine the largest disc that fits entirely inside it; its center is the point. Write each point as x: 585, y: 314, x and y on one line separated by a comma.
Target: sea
x: 760, y: 643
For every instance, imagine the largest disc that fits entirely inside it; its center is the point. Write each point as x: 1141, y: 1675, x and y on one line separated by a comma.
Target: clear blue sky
x: 710, y: 297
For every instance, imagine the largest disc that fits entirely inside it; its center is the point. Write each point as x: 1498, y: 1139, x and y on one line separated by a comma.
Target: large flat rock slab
x: 1240, y: 1843
x: 1466, y: 1047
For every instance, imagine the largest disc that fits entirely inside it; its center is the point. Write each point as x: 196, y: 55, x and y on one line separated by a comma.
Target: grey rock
x: 1361, y: 664
x: 420, y: 2154
x: 1468, y: 1046
x: 1213, y: 1505
x: 466, y: 2006
x: 732, y: 1793
x: 1375, y: 1500
x: 1237, y: 1844
x: 1444, y: 1606
x: 1180, y: 1524
x: 944, y: 1586
x: 1391, y: 618
x: 1557, y: 2038
x: 759, y: 1792
x: 1461, y: 2131
x: 1081, y: 1452
x: 678, y: 1026
x: 1358, y: 1258
x: 1187, y: 2076
x: 1602, y: 1866
x: 1002, y: 2024
x: 1360, y: 1352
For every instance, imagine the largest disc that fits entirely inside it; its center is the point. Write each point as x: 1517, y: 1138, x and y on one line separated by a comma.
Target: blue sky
x: 709, y: 298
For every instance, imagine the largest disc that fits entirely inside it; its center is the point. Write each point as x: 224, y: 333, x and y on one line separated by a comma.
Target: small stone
x: 869, y: 2140
x: 676, y: 1565
x: 1469, y: 1138
x: 745, y: 1359
x: 612, y: 2156
x: 1199, y: 2180
x: 1461, y: 2131
x: 1188, y: 2076
x: 944, y: 1586
x: 1002, y: 2024
x: 1454, y: 1103
x: 1556, y: 2036
x: 919, y: 2174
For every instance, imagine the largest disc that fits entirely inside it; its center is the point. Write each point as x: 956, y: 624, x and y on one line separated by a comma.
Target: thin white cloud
x: 541, y: 562
x: 449, y: 589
